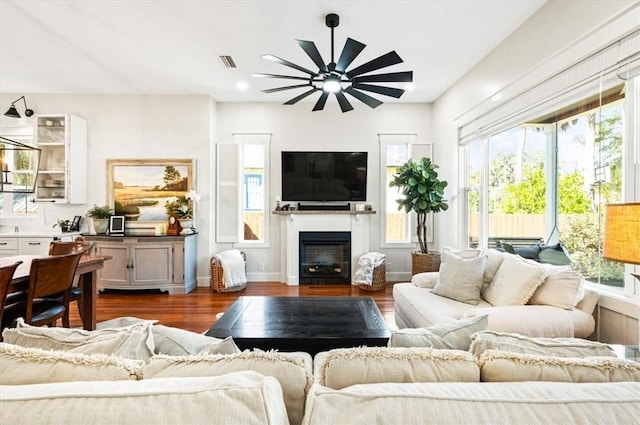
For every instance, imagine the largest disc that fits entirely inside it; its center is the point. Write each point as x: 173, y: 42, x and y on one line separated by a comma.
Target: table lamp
x: 622, y: 234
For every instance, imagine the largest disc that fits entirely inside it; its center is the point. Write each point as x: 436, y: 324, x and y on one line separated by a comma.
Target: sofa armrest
x: 425, y: 280
x: 589, y: 301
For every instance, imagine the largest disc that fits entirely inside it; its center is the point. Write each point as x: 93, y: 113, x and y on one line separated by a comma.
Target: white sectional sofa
x: 519, y: 296
x: 62, y: 382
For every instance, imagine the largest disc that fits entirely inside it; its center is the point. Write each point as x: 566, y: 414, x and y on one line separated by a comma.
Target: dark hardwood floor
x: 197, y: 310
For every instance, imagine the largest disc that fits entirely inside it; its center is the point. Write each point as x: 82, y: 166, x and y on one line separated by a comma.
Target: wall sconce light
x: 622, y: 234
x: 13, y: 112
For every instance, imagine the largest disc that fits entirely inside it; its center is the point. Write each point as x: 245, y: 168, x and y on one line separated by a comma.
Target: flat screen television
x: 324, y: 176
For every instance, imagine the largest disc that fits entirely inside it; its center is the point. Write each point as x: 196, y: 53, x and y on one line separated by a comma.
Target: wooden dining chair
x: 50, y: 280
x: 6, y: 274
x: 62, y: 248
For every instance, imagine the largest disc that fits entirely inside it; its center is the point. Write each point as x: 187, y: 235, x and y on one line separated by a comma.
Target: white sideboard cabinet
x: 62, y: 176
x: 167, y: 263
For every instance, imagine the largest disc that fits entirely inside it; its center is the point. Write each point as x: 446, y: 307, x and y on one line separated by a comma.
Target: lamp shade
x: 622, y: 233
x: 12, y: 112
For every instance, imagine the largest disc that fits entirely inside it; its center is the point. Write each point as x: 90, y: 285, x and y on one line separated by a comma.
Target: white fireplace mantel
x: 294, y: 222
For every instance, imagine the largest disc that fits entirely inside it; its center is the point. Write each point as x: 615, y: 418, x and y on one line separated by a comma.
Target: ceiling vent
x: 228, y: 61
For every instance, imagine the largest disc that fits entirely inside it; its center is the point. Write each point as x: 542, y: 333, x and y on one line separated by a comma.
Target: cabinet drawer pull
x: 35, y: 243
x: 4, y: 243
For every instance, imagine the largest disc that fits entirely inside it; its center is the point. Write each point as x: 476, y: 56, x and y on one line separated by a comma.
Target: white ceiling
x: 173, y: 47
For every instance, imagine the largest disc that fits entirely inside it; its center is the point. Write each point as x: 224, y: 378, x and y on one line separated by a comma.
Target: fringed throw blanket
x: 233, y: 268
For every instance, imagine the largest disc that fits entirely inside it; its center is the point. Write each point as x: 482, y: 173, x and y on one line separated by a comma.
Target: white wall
x: 132, y: 127
x: 298, y: 128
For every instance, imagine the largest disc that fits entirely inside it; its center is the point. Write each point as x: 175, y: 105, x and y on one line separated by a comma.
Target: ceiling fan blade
x: 290, y: 77
x: 344, y: 103
x: 392, y: 77
x: 383, y: 61
x: 311, y: 50
x: 277, y: 89
x: 372, y: 102
x: 289, y: 64
x: 319, y: 106
x: 300, y: 97
x: 387, y: 91
x: 351, y: 49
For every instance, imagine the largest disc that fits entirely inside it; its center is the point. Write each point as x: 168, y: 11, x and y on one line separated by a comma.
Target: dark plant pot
x: 421, y: 262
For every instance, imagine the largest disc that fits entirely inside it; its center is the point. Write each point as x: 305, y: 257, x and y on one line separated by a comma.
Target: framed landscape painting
x: 148, y: 190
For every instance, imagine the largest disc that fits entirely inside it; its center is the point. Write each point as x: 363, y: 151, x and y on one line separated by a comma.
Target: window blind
x: 600, y: 71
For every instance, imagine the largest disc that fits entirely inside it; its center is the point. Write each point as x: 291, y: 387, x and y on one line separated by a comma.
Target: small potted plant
x: 100, y: 217
x: 423, y: 193
x: 64, y: 225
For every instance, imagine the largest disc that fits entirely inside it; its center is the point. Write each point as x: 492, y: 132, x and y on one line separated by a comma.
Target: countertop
x: 39, y: 234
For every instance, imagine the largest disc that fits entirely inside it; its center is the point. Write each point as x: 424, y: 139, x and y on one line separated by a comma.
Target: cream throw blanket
x: 233, y: 268
x: 366, y: 264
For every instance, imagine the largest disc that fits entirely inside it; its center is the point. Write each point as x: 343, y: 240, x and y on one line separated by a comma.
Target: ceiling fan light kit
x: 333, y: 77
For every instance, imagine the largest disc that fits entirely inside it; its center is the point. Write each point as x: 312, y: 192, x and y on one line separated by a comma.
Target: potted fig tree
x: 422, y: 193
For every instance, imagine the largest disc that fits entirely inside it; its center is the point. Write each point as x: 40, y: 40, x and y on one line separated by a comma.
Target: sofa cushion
x: 342, y: 367
x: 479, y: 403
x: 504, y: 366
x: 179, y: 342
x: 559, y: 289
x: 530, y: 252
x: 454, y: 335
x: 292, y: 370
x: 554, y: 254
x: 23, y: 365
x: 515, y: 282
x: 131, y: 342
x: 247, y: 397
x: 559, y: 347
x: 460, y: 278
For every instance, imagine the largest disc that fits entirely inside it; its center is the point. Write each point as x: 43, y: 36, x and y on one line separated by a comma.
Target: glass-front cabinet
x: 62, y: 175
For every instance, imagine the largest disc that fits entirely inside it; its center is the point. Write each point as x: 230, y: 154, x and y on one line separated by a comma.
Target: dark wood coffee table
x: 310, y: 324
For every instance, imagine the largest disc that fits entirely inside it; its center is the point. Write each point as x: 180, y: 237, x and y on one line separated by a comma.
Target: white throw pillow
x: 516, y: 343
x: 503, y: 366
x: 460, y: 279
x: 131, y: 342
x: 515, y: 282
x: 559, y: 289
x: 494, y: 261
x: 454, y: 335
x: 23, y: 365
x: 179, y: 342
x: 292, y: 370
x: 343, y: 367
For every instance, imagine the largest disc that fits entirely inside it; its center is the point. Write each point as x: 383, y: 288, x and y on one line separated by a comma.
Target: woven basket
x: 378, y: 280
x: 421, y: 262
x: 217, y: 284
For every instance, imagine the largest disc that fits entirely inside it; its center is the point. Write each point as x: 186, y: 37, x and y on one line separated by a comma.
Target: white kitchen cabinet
x: 30, y: 243
x: 167, y: 263
x: 62, y: 176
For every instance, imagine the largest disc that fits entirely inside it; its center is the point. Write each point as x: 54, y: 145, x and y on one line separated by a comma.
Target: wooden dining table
x: 86, y: 271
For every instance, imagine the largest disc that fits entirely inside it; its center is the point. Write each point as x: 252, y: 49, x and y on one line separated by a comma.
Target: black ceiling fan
x: 333, y: 77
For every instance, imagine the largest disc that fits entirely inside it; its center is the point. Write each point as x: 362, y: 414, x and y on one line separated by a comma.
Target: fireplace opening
x: 325, y: 258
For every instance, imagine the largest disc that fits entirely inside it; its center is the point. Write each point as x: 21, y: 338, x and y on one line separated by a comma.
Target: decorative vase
x: 421, y: 262
x: 187, y: 226
x: 100, y: 225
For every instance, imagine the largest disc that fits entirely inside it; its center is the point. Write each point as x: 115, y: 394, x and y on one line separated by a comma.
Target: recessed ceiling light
x: 242, y: 85
x: 410, y: 87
